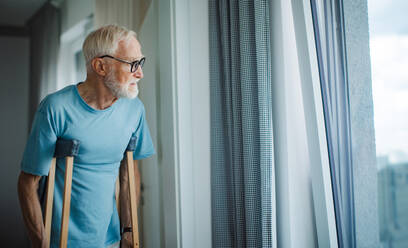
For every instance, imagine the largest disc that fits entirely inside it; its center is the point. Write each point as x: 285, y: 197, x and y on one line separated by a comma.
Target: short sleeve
x: 40, y: 146
x: 144, y: 145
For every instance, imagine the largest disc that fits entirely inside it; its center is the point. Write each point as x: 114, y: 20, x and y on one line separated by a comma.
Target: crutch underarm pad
x: 65, y: 148
x: 132, y: 144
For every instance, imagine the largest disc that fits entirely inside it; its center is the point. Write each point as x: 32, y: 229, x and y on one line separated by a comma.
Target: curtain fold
x: 242, y: 167
x: 329, y: 34
x: 127, y: 13
x: 44, y: 29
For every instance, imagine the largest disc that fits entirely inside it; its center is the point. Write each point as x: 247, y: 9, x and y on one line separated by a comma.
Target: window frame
x: 315, y: 124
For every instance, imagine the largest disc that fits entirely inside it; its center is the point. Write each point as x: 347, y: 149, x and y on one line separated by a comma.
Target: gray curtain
x: 44, y: 28
x: 241, y: 124
x: 329, y: 34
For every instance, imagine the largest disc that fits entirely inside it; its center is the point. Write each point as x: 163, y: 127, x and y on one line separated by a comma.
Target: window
x: 389, y: 60
x: 71, y: 62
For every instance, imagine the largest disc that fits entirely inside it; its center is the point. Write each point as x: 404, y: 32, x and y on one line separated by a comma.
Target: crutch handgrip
x: 66, y: 148
x: 132, y: 144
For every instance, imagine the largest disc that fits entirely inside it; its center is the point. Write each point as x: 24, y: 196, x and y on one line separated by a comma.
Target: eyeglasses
x: 133, y: 65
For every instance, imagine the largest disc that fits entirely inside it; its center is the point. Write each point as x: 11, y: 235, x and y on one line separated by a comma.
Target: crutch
x: 67, y: 149
x: 132, y: 191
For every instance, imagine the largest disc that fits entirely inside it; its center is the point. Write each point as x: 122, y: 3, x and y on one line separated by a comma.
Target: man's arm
x: 125, y: 216
x: 31, y: 208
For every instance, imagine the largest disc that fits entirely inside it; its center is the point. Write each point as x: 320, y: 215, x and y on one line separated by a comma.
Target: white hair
x: 104, y: 41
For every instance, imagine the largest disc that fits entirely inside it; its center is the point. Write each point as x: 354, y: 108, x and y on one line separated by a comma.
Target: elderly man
x: 103, y: 113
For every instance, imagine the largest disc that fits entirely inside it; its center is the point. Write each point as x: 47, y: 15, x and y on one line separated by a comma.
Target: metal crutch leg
x: 132, y: 191
x: 68, y: 149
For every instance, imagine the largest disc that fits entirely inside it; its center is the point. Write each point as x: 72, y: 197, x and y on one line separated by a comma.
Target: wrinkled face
x: 120, y: 80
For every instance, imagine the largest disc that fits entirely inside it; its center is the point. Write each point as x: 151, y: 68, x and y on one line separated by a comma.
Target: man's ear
x: 99, y: 66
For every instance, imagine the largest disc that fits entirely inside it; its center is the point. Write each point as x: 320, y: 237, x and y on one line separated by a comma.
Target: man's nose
x: 138, y: 73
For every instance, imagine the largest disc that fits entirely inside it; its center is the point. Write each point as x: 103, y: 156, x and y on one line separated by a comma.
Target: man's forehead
x: 130, y: 49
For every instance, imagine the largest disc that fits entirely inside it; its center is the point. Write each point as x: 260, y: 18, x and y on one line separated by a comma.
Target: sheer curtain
x: 242, y: 163
x: 329, y: 34
x: 44, y: 28
x: 127, y: 13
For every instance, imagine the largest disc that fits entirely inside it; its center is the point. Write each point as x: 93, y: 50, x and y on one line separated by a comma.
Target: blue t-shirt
x: 104, y: 136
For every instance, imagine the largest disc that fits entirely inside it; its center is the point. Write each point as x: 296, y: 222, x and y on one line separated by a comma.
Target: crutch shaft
x: 67, y: 202
x: 132, y: 198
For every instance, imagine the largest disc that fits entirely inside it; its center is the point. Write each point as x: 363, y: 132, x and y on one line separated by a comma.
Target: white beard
x: 125, y: 90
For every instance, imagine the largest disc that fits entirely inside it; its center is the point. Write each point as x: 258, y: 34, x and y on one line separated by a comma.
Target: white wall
x: 193, y: 120
x: 200, y: 116
x: 152, y: 207
x: 175, y: 91
x: 14, y: 71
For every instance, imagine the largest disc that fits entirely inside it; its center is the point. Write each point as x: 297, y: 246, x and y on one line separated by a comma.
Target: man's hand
x: 31, y: 208
x: 126, y: 241
x: 125, y: 215
x: 124, y: 191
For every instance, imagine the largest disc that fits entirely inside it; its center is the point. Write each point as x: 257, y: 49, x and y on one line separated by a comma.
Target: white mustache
x: 134, y: 81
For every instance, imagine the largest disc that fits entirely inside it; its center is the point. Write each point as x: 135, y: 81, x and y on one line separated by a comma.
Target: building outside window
x: 389, y: 59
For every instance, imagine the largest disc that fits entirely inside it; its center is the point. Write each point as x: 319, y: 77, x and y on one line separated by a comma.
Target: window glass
x: 71, y: 63
x: 389, y: 60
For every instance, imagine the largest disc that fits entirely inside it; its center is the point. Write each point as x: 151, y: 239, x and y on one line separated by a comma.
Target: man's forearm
x: 125, y: 217
x: 31, y: 208
x: 124, y: 196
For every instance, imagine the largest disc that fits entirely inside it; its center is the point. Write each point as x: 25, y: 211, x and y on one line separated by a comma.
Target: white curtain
x: 44, y: 29
x: 127, y: 13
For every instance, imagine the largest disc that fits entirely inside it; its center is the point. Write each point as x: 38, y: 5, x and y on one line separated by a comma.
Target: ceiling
x: 17, y: 12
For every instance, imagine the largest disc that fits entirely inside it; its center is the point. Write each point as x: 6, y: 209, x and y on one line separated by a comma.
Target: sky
x: 389, y: 68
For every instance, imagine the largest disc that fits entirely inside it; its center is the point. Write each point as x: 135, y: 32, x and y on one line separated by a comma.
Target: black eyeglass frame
x: 133, y: 65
